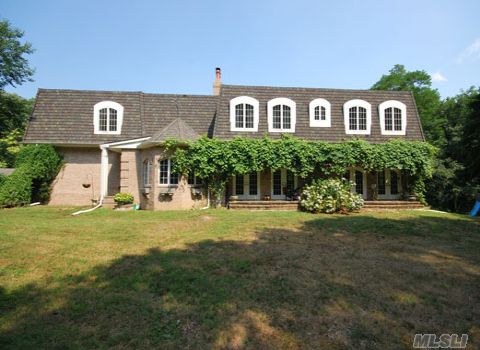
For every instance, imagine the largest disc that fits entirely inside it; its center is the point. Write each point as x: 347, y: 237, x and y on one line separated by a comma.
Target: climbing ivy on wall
x: 215, y: 161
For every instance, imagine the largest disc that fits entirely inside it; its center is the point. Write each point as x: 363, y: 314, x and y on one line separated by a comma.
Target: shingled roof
x: 65, y: 117
x: 302, y: 98
x: 177, y: 130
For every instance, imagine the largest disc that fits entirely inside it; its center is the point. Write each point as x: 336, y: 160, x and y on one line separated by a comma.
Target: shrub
x: 36, y: 167
x: 123, y: 198
x: 330, y: 196
x: 16, y: 189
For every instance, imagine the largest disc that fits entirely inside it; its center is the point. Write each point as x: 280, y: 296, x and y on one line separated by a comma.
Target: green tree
x: 471, y: 140
x: 14, y: 67
x: 426, y: 98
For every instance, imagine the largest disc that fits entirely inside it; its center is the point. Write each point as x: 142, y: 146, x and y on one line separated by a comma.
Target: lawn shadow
x: 340, y: 282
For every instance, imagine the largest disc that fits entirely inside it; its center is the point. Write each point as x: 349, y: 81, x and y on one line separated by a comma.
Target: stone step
x: 108, y: 202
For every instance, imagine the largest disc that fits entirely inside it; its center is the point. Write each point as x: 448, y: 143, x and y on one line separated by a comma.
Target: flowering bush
x: 123, y: 198
x: 330, y: 196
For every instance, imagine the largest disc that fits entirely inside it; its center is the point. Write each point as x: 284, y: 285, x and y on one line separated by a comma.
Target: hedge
x: 35, y: 168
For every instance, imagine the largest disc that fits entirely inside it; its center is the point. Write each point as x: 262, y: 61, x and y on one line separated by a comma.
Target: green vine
x: 215, y: 161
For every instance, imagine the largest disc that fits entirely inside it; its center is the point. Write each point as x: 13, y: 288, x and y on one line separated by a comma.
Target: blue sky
x: 174, y: 46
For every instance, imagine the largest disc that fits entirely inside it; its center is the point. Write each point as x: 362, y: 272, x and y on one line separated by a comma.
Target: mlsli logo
x: 431, y: 341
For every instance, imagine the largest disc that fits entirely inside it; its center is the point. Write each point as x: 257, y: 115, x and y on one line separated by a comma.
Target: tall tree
x: 471, y: 140
x: 14, y: 67
x: 426, y: 98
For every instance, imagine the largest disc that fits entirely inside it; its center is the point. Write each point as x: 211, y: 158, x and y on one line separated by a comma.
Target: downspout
x: 103, y: 181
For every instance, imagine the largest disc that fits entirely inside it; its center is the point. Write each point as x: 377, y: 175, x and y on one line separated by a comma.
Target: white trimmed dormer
x: 282, y: 115
x: 320, y: 113
x: 108, y: 118
x: 357, y: 116
x: 244, y: 114
x: 393, y: 117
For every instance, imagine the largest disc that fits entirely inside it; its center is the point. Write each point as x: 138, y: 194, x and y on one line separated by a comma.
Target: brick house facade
x: 112, y: 141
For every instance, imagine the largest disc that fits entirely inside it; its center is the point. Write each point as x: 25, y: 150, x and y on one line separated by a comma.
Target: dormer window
x: 357, y: 116
x: 107, y: 118
x: 282, y: 115
x: 319, y: 110
x: 393, y: 117
x: 243, y: 114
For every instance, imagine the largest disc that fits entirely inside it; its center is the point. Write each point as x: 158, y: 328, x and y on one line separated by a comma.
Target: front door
x: 247, y: 187
x: 282, y: 179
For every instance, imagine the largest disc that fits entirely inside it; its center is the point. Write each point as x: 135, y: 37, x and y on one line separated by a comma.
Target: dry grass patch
x: 235, y: 280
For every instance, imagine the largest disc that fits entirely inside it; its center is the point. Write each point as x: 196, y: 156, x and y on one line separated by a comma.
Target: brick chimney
x: 218, y: 83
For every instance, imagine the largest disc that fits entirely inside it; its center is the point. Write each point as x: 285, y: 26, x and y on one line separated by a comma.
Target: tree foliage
x: 14, y: 67
x: 215, y: 161
x: 426, y: 98
x: 456, y: 179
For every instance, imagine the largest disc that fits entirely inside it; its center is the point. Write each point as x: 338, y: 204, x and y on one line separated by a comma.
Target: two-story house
x: 112, y: 141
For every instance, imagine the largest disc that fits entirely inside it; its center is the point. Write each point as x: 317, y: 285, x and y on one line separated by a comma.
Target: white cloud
x: 472, y: 51
x: 437, y: 76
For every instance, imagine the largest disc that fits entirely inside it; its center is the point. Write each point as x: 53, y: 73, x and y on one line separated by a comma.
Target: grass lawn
x: 235, y: 279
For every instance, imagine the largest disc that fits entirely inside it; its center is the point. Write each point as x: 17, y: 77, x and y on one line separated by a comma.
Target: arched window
x: 319, y: 110
x: 282, y: 115
x: 107, y: 118
x: 243, y: 114
x: 357, y: 116
x: 393, y: 117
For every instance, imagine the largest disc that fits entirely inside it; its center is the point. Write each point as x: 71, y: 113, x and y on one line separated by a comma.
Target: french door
x: 247, y: 187
x: 282, y: 179
x: 389, y: 185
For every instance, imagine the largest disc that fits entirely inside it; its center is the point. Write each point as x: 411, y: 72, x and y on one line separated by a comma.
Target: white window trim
x: 320, y: 102
x: 96, y: 117
x: 169, y: 173
x: 244, y: 100
x: 388, y: 185
x: 357, y: 103
x: 147, y: 172
x: 364, y: 181
x: 381, y: 112
x: 293, y: 113
x: 246, y: 187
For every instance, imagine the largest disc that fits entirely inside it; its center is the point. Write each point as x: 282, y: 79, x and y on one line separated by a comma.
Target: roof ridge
x: 310, y: 88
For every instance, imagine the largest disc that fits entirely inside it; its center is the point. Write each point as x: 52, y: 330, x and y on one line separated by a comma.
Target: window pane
x: 173, y: 176
x: 286, y: 117
x: 191, y: 178
x: 277, y: 183
x: 353, y: 118
x: 249, y: 116
x: 397, y: 119
x: 239, y: 116
x: 317, y: 113
x: 277, y: 117
x: 388, y: 118
x: 146, y: 172
x: 359, y: 182
x: 113, y: 120
x: 163, y: 172
x: 324, y: 113
x: 253, y: 183
x: 102, y: 120
x: 381, y: 182
x: 239, y: 185
x: 362, y: 118
x: 290, y: 180
x: 393, y: 182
